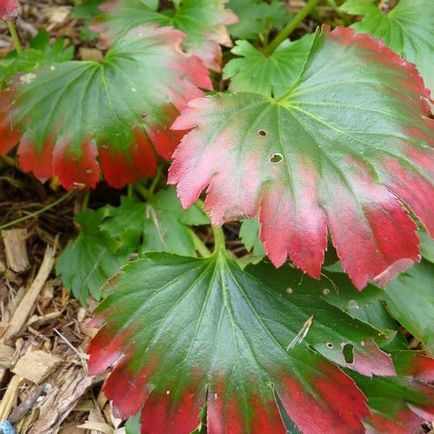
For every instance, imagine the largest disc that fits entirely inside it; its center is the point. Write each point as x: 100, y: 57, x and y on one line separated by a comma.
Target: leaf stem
x: 219, y: 238
x: 199, y: 245
x: 85, y: 202
x: 15, y: 37
x: 40, y: 211
x: 155, y: 180
x: 291, y: 26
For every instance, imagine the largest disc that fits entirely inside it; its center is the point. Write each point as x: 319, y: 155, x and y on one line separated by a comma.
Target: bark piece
x: 16, y: 249
x: 36, y: 366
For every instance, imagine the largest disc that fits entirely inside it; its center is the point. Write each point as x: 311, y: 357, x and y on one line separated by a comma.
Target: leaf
x: 174, y: 327
x: 347, y: 142
x: 408, y: 30
x: 426, y: 246
x: 40, y: 52
x: 165, y: 228
x: 203, y: 22
x: 159, y: 225
x: 410, y: 299
x: 400, y: 405
x: 249, y: 235
x: 125, y: 223
x: 88, y: 261
x: 8, y: 9
x: 267, y: 75
x: 257, y: 17
x: 70, y: 113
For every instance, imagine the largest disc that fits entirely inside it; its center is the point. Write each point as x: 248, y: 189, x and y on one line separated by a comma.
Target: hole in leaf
x: 326, y: 291
x: 329, y: 345
x: 276, y: 158
x: 352, y: 304
x: 262, y: 133
x: 348, y: 351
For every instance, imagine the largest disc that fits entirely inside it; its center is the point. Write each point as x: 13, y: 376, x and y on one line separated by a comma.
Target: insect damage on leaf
x: 203, y: 21
x: 227, y: 342
x: 71, y: 113
x: 355, y: 140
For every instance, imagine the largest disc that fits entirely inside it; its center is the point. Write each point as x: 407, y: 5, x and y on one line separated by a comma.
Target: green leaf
x: 89, y: 260
x: 427, y: 246
x: 267, y: 75
x: 410, y: 299
x: 203, y: 22
x: 359, y: 7
x: 133, y: 425
x: 69, y: 113
x: 257, y: 17
x: 408, y: 30
x: 158, y: 225
x: 338, y: 152
x: 40, y: 52
x: 249, y: 235
x: 185, y: 325
x: 125, y: 223
x: 166, y: 227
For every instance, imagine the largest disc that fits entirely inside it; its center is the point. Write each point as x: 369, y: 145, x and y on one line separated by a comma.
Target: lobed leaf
x: 257, y: 18
x: 89, y: 260
x: 408, y: 29
x: 157, y: 225
x: 203, y: 22
x: 70, y: 113
x: 348, y: 142
x: 180, y: 332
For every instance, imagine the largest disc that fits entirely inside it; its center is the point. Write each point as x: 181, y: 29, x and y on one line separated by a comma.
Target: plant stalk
x: 40, y: 211
x: 15, y: 37
x: 291, y: 26
x: 219, y: 238
x: 199, y: 245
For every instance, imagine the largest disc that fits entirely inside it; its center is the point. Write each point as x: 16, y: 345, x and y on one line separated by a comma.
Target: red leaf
x: 338, y: 150
x: 80, y: 170
x: 337, y: 392
x: 75, y: 116
x: 226, y: 417
x: 9, y: 136
x: 120, y: 169
x: 8, y: 9
x: 164, y: 415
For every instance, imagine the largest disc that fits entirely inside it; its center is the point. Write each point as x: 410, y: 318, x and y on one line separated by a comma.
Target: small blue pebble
x: 7, y: 428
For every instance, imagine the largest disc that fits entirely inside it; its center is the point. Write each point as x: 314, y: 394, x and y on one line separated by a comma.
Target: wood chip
x: 10, y: 397
x: 36, y: 366
x: 6, y: 356
x: 97, y: 426
x: 27, y: 304
x: 68, y: 390
x: 16, y: 249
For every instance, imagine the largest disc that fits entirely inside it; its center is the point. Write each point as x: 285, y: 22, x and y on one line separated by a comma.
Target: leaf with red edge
x: 400, y: 405
x: 408, y: 29
x: 8, y: 9
x: 174, y: 328
x: 71, y: 113
x: 348, y: 141
x: 203, y: 21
